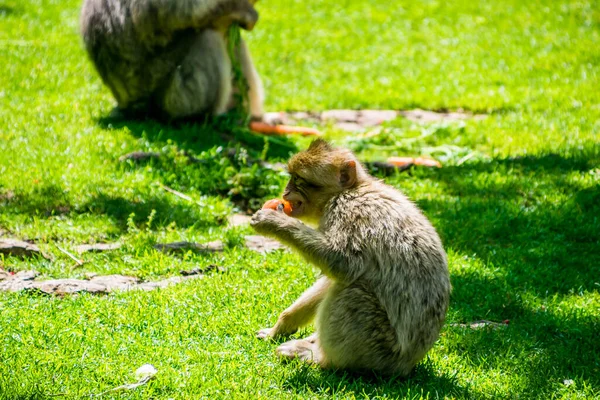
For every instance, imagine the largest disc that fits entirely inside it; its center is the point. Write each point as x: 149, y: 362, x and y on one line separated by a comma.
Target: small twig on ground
x: 175, y: 192
x: 465, y: 158
x: 144, y: 374
x: 128, y: 386
x: 77, y: 260
x: 482, y: 324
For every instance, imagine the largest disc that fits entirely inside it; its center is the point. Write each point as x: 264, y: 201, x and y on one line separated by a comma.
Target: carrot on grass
x: 268, y: 129
x: 404, y: 161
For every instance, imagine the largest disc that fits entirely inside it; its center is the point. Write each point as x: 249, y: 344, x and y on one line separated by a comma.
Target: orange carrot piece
x: 401, y: 161
x: 279, y: 205
x: 271, y: 204
x: 268, y: 129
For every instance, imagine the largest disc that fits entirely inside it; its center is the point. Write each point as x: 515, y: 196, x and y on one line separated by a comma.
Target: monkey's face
x: 317, y: 175
x: 304, y: 196
x: 309, y: 190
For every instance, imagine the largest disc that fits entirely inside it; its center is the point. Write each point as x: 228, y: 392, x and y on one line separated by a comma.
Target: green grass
x: 520, y: 219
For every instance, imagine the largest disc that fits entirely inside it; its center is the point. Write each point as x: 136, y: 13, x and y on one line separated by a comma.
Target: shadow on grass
x: 197, y: 136
x: 215, y: 174
x: 119, y: 210
x: 218, y: 157
x: 51, y: 200
x: 534, y: 223
x: 539, y: 348
x: 532, y: 217
x: 44, y: 199
x: 423, y: 381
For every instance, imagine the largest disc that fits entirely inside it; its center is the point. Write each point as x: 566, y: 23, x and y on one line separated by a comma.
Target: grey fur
x: 385, y: 291
x: 169, y: 57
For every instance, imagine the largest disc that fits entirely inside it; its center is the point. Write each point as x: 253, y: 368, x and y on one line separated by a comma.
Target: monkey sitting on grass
x: 384, y: 293
x: 170, y: 58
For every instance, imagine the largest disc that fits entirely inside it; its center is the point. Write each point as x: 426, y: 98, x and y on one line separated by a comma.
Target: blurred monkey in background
x: 169, y: 58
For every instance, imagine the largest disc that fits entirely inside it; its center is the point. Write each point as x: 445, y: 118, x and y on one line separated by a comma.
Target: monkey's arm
x: 312, y: 244
x: 169, y: 16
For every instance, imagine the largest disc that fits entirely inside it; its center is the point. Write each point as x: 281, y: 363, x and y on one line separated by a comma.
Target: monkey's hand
x: 244, y: 15
x: 266, y: 334
x: 280, y: 329
x: 246, y: 18
x: 272, y: 223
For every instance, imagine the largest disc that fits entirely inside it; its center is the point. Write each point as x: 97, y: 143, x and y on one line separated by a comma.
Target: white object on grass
x: 146, y: 370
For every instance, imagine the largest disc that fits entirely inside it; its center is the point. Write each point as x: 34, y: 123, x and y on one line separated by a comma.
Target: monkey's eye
x: 308, y: 184
x: 312, y: 185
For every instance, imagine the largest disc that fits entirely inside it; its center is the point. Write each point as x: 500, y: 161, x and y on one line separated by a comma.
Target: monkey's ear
x: 348, y: 174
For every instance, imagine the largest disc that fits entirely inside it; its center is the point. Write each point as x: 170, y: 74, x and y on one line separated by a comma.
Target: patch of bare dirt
x: 182, y: 247
x: 139, y: 156
x: 26, y: 280
x: 257, y: 243
x: 97, y: 247
x: 358, y: 120
x: 239, y: 220
x: 6, y: 195
x: 262, y: 244
x: 18, y: 248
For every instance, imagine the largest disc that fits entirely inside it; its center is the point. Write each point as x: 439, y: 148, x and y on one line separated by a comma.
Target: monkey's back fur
x: 387, y: 308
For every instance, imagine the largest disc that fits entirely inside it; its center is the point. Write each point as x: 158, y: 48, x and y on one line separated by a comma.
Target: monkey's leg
x: 202, y: 83
x: 355, y: 332
x: 256, y: 94
x: 256, y: 99
x: 300, y: 313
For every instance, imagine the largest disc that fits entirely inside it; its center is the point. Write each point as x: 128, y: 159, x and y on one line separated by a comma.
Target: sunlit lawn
x: 517, y: 202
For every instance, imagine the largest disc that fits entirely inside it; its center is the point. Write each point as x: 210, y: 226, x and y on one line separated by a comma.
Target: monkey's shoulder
x: 371, y: 204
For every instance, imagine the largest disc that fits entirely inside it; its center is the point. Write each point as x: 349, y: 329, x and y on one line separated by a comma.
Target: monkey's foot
x: 312, y: 338
x: 306, y: 350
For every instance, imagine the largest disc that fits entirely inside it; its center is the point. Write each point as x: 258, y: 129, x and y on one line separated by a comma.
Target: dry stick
x: 77, y: 260
x: 465, y: 158
x: 128, y: 386
x: 175, y: 192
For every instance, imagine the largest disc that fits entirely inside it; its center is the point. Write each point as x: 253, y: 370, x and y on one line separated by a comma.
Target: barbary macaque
x: 169, y: 58
x: 383, y: 294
